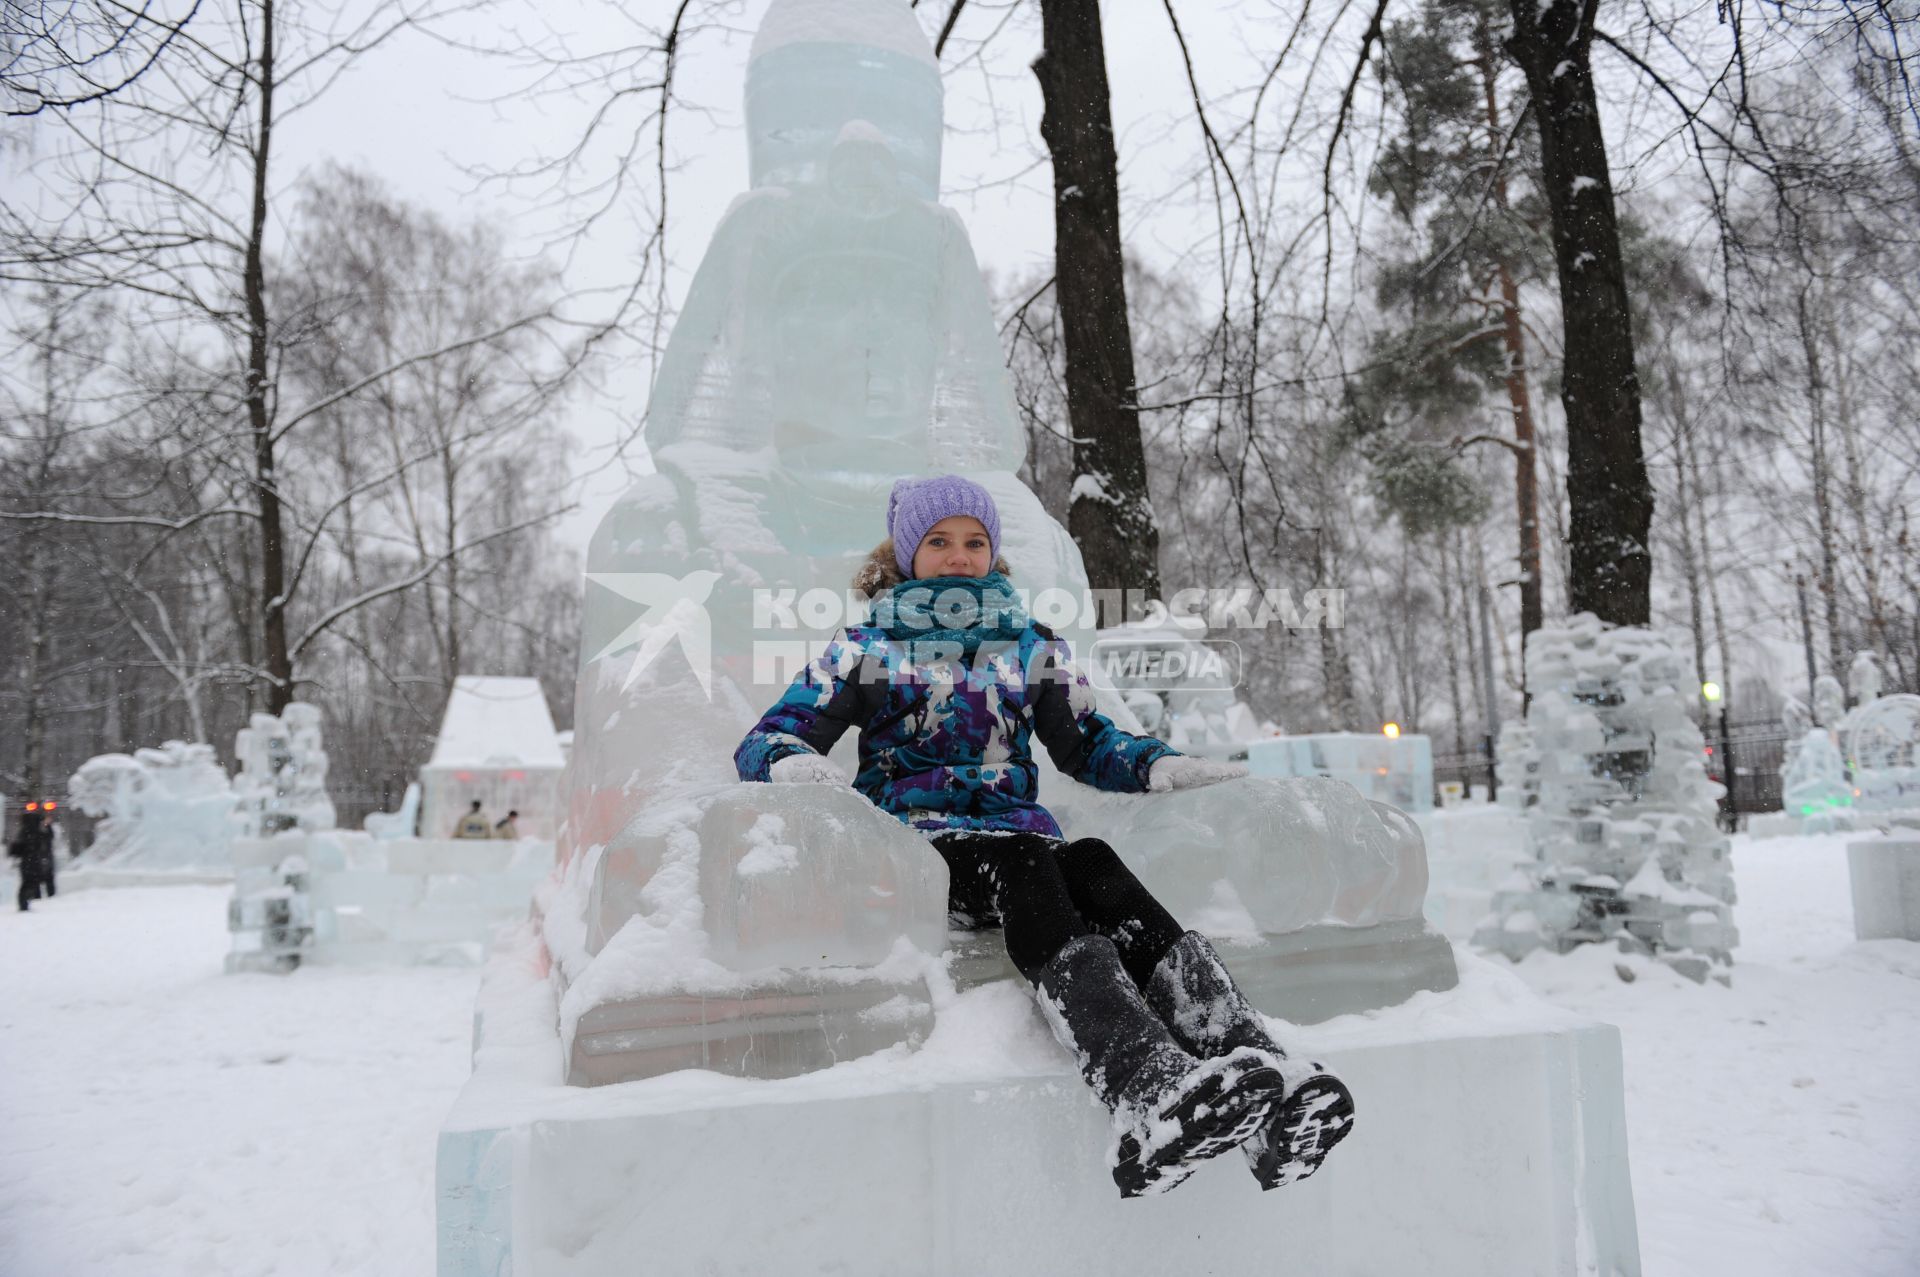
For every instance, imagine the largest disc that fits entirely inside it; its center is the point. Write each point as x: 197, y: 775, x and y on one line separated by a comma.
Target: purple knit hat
x: 917, y: 504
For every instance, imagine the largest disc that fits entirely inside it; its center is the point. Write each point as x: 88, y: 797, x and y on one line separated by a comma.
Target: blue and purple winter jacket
x: 945, y: 715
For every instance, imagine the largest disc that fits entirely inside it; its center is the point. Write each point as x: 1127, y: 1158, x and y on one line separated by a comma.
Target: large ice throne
x: 836, y: 336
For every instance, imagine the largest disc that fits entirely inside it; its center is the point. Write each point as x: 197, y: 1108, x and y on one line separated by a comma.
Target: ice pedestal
x: 1490, y: 1139
x: 1885, y: 874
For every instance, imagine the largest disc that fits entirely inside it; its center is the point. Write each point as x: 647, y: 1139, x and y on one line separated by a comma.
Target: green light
x: 1709, y: 691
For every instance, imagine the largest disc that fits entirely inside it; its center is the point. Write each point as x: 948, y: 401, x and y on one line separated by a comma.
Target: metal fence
x: 1758, y: 754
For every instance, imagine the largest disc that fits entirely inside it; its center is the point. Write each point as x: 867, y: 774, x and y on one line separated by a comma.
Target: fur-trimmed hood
x: 881, y: 572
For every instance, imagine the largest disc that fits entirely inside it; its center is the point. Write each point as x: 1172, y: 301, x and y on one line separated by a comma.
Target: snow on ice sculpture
x: 283, y: 773
x: 1624, y: 841
x: 836, y: 336
x: 169, y: 808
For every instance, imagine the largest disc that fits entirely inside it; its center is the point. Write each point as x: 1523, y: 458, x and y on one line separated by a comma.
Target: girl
x: 946, y: 681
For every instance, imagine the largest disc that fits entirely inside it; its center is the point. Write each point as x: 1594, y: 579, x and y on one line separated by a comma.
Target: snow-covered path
x: 160, y: 1118
x: 1774, y: 1127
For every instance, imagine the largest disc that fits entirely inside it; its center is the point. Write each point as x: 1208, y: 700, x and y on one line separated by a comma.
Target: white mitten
x: 1177, y: 771
x: 805, y: 769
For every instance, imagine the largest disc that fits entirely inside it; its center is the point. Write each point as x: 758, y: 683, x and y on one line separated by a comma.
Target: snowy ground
x: 158, y: 1117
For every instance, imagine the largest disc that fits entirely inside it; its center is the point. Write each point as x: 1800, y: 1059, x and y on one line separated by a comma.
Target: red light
x: 33, y: 806
x: 52, y: 806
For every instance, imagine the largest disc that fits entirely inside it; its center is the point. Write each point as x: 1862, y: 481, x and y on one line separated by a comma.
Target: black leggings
x: 1045, y: 891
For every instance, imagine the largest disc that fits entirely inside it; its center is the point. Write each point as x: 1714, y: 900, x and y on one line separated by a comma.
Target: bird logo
x: 671, y: 607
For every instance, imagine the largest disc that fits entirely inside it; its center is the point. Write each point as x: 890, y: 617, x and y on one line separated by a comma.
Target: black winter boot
x: 1209, y: 1016
x: 1171, y: 1111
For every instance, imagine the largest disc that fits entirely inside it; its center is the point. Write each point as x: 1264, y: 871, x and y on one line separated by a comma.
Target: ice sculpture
x: 387, y: 825
x: 496, y: 744
x: 1814, y: 785
x: 1517, y: 766
x: 1863, y: 678
x: 169, y: 808
x: 1624, y: 841
x: 270, y: 915
x: 1396, y: 770
x: 1180, y: 686
x: 283, y: 773
x: 836, y: 336
x: 1829, y: 701
x: 1882, y: 740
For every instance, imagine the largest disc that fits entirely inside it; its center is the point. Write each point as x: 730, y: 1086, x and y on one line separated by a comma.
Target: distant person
x: 32, y: 846
x: 473, y: 824
x: 508, y: 826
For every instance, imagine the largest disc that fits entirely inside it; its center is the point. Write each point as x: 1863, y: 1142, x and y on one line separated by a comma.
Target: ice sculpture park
x: 745, y: 993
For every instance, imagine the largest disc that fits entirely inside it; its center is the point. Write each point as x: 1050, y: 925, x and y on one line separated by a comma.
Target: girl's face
x: 955, y: 546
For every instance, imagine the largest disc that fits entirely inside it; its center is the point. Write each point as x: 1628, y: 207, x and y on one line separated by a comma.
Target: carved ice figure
x: 1829, y: 701
x: 1815, y: 786
x: 836, y: 336
x: 1863, y: 678
x: 1624, y: 839
x: 283, y: 773
x: 165, y: 808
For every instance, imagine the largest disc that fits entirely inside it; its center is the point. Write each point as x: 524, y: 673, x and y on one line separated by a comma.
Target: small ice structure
x: 1864, y: 679
x: 168, y: 809
x: 1517, y: 766
x: 497, y: 744
x: 1829, y: 701
x: 337, y: 897
x: 1394, y: 770
x: 1882, y: 739
x: 1180, y: 686
x: 397, y: 824
x: 283, y: 773
x: 1624, y: 840
x: 837, y: 336
x: 1815, y: 787
x: 270, y: 915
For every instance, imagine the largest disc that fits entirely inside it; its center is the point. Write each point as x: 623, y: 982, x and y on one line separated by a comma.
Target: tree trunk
x: 273, y: 573
x: 1336, y: 672
x: 1449, y: 638
x: 1688, y: 499
x: 1863, y: 528
x: 1609, y: 497
x: 1519, y: 399
x: 1822, y: 484
x: 1110, y: 515
x: 34, y: 731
